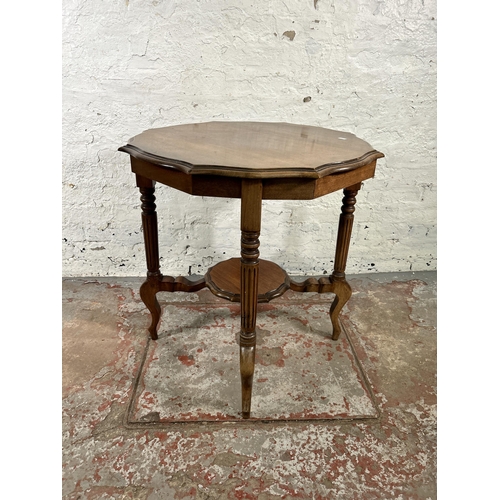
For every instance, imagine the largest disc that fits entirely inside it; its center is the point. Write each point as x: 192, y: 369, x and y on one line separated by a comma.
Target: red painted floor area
x: 191, y: 373
x: 352, y: 419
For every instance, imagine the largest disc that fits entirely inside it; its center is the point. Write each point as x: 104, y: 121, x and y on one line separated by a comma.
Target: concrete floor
x: 352, y: 419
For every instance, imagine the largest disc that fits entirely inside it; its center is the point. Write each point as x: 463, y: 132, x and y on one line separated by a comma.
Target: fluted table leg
x: 151, y: 286
x: 342, y: 289
x: 251, y: 207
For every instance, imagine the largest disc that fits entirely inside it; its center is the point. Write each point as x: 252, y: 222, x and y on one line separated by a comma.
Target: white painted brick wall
x: 363, y: 66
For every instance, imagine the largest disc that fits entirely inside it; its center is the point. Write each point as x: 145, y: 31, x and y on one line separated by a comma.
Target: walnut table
x: 254, y: 162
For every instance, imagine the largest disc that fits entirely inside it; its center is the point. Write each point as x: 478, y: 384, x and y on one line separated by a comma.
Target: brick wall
x: 366, y: 67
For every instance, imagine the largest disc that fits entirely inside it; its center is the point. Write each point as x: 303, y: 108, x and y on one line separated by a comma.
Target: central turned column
x: 251, y: 207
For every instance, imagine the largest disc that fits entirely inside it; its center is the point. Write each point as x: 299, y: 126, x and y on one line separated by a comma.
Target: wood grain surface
x: 252, y: 149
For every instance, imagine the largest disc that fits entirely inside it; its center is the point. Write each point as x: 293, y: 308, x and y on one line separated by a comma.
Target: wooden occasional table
x: 254, y: 162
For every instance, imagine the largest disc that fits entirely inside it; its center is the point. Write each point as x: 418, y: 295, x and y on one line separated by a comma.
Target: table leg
x: 342, y: 289
x: 251, y: 207
x: 151, y: 286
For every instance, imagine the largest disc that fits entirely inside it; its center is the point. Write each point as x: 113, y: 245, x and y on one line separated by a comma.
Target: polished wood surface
x: 224, y: 280
x: 343, y: 291
x: 252, y: 149
x: 150, y: 287
x: 281, y: 188
x: 253, y: 162
x: 251, y: 208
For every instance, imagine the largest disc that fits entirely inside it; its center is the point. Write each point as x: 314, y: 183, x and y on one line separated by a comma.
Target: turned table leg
x: 342, y: 289
x: 251, y: 206
x: 151, y: 286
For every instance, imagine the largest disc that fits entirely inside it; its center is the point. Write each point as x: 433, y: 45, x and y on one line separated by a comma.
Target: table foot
x: 148, y: 292
x: 247, y: 366
x: 159, y: 283
x: 343, y: 292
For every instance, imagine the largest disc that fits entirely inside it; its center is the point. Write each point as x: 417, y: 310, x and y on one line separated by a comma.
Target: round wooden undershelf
x: 224, y: 280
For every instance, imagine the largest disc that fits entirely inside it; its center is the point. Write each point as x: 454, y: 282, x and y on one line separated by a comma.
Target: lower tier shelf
x: 224, y: 280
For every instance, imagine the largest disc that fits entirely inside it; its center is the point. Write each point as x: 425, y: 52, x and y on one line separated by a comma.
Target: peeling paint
x: 131, y: 66
x: 391, y: 325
